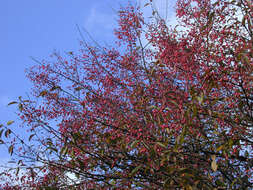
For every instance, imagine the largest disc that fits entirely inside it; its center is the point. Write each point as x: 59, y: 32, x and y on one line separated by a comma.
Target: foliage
x: 175, y: 113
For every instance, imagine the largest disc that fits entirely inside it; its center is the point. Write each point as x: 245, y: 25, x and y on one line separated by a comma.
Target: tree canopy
x: 162, y: 108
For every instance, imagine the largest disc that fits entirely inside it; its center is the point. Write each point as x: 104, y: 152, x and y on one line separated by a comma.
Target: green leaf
x: 145, y: 145
x: 201, y: 98
x: 53, y: 149
x: 195, y: 111
x: 20, y: 107
x: 230, y: 142
x: 113, y: 182
x: 160, y: 144
x: 180, y: 138
x: 77, y: 175
x: 10, y: 122
x: 246, y: 153
x: 210, y: 18
x: 64, y: 150
x: 134, y: 143
x: 173, y: 102
x: 152, y: 70
x: 135, y: 170
x: 152, y: 107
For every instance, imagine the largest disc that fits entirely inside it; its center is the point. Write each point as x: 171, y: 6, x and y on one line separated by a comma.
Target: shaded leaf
x: 43, y: 93
x: 31, y: 136
x: 137, y: 48
x: 17, y: 170
x: 20, y: 162
x: 146, y: 4
x: 7, y: 133
x: 11, y: 149
x: 78, y: 88
x: 14, y: 102
x: 243, y: 20
x: 1, y: 132
x: 54, y: 88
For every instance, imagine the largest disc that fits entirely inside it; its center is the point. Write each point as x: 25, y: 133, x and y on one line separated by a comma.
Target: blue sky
x: 37, y: 28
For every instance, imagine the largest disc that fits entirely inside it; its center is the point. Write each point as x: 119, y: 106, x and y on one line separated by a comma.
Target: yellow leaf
x: 220, y: 148
x: 213, y: 157
x: 10, y: 122
x: 214, y: 165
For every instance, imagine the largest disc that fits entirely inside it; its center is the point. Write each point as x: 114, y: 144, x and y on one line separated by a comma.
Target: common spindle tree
x: 163, y: 108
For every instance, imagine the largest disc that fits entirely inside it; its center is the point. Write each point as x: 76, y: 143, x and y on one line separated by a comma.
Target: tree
x: 176, y: 113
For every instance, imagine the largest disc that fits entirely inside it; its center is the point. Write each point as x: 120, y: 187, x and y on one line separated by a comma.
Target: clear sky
x: 37, y: 28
